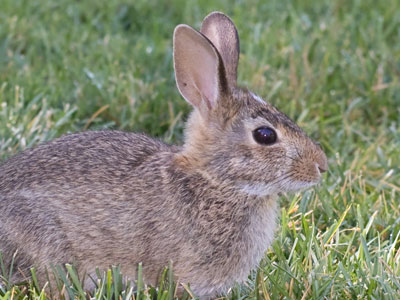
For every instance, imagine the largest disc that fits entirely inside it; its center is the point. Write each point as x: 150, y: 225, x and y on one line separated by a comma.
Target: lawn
x: 332, y: 66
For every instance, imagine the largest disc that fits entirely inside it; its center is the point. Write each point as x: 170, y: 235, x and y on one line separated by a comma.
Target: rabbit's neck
x: 225, y: 225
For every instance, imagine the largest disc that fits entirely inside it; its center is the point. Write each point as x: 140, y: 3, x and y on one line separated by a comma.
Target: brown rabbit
x: 105, y: 198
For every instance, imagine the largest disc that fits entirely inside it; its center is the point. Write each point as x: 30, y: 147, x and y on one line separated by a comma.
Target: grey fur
x: 114, y: 198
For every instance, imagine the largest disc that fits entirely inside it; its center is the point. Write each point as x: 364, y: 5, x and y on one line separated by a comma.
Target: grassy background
x: 333, y: 66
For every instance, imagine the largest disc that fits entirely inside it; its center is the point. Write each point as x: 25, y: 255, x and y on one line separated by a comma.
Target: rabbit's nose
x: 322, y: 162
x: 321, y: 169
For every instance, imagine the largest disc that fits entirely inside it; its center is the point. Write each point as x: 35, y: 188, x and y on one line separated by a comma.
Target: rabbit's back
x: 91, y: 157
x: 72, y: 196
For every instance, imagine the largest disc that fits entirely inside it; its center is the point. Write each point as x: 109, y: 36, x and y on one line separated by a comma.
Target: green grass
x: 333, y: 66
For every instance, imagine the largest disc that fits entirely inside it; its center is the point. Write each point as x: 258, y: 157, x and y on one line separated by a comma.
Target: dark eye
x: 265, y: 135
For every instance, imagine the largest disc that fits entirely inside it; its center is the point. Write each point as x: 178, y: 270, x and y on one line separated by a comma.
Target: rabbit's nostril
x: 321, y: 169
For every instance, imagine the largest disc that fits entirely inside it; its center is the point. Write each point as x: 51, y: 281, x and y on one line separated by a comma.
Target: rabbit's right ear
x: 221, y: 31
x: 199, y: 70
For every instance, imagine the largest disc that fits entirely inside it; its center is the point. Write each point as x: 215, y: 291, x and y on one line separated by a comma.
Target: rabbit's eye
x: 265, y: 135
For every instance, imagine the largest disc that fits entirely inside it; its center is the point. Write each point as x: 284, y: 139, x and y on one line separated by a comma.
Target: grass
x: 333, y: 66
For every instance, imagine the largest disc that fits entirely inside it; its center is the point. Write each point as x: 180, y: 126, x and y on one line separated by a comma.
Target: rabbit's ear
x: 221, y: 31
x: 199, y: 70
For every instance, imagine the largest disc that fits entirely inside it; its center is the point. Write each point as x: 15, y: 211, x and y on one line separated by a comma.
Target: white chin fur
x: 256, y: 189
x: 298, y: 185
x: 263, y: 189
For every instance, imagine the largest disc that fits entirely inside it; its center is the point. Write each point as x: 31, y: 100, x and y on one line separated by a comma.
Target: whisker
x: 280, y: 178
x: 298, y: 153
x: 292, y: 158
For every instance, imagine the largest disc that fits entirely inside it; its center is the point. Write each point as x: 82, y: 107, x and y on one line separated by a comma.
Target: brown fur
x: 114, y: 198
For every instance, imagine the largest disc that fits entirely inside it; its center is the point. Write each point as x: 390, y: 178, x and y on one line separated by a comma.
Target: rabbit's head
x: 232, y: 135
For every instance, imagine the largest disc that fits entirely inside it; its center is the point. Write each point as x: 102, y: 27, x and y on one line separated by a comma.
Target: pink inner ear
x: 205, y: 77
x: 196, y: 68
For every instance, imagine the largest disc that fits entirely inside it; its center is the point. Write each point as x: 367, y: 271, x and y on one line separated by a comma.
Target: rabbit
x: 102, y: 198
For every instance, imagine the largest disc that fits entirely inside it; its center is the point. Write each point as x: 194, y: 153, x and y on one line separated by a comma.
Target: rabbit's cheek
x: 306, y: 171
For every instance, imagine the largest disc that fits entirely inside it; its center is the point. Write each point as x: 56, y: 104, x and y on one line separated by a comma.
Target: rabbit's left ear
x: 199, y: 70
x: 221, y: 31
